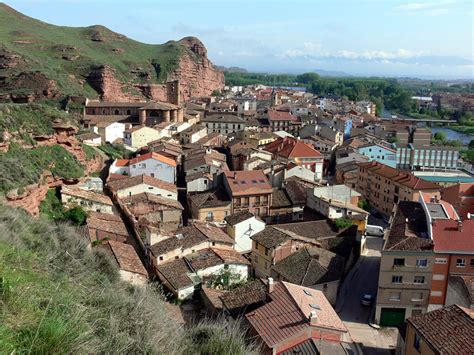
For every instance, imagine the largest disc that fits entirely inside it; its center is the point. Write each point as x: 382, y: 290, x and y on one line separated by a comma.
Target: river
x: 453, y: 135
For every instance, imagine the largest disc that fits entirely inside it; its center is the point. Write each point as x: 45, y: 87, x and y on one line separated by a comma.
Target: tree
x: 440, y: 136
x: 307, y: 78
x: 342, y: 223
x: 76, y: 215
x: 471, y: 144
x: 365, y: 205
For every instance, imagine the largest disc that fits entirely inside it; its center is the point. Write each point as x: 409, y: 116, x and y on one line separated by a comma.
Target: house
x: 249, y: 190
x: 282, y: 121
x: 134, y: 185
x: 383, y: 186
x: 110, y: 131
x: 245, y: 298
x: 298, y: 152
x: 102, y: 227
x: 192, y: 134
x: 241, y: 226
x: 90, y: 138
x: 92, y: 184
x: 154, y: 165
x: 284, y: 209
x: 444, y: 331
x: 201, y: 181
x: 406, y: 266
x: 453, y: 261
x: 187, y: 240
x: 380, y: 153
x: 212, y: 205
x: 146, y: 209
x: 312, y: 267
x: 224, y: 123
x: 130, y: 266
x: 87, y: 200
x: 139, y: 136
x: 182, y: 276
x: 461, y: 196
x: 209, y: 161
x: 307, y: 316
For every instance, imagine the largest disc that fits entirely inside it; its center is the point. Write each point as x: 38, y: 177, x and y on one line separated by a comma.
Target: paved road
x: 363, y: 279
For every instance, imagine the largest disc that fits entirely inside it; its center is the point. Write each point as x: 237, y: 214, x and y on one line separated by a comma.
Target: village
x: 324, y: 227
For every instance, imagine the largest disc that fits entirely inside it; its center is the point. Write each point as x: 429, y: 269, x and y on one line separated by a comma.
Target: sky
x: 421, y: 38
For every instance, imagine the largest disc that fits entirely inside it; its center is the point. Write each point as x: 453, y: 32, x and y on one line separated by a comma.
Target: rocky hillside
x: 39, y: 61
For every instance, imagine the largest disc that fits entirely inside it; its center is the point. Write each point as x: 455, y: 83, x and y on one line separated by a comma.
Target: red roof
x: 248, y: 182
x: 403, y: 178
x: 449, y: 236
x: 288, y: 313
x: 274, y: 115
x: 122, y: 162
x: 153, y: 155
x: 289, y: 147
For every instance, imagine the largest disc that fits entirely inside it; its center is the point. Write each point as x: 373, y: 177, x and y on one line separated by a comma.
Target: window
x: 266, y: 265
x: 460, y: 262
x: 152, y: 175
x: 394, y: 296
x: 266, y: 251
x: 398, y: 262
x: 417, y: 296
x: 472, y: 262
x: 397, y: 279
x: 441, y: 261
x: 161, y: 258
x: 417, y: 342
x: 421, y: 262
x: 419, y: 280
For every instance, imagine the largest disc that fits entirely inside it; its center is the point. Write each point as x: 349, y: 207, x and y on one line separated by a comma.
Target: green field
x: 44, y: 47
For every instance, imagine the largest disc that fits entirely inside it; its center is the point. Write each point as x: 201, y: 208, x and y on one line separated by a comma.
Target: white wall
x: 114, y: 131
x: 300, y: 172
x: 154, y: 168
x: 243, y: 243
x: 201, y: 184
x: 138, y: 189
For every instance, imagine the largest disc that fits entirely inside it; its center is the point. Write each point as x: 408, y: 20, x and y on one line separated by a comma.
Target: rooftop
x: 238, y: 217
x: 127, y: 257
x: 251, y: 293
x: 453, y: 236
x: 141, y: 179
x: 248, y: 182
x: 292, y: 148
x: 288, y: 313
x: 86, y: 195
x: 448, y: 330
x: 153, y: 155
x: 408, y: 230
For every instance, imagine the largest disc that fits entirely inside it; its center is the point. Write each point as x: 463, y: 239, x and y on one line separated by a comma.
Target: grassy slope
x: 42, y: 52
x: 57, y: 297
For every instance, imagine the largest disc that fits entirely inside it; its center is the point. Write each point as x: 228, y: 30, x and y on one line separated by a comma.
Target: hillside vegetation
x: 68, y: 55
x: 56, y: 297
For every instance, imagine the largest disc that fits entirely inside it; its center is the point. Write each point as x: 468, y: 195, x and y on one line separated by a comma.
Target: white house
x: 135, y: 185
x: 110, y: 131
x: 90, y: 138
x: 140, y: 136
x: 88, y: 200
x: 241, y: 226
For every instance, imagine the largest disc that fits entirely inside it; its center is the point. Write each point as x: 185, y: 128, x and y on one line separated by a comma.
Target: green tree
x: 307, y: 78
x: 440, y: 136
x: 342, y: 223
x: 365, y: 205
x: 76, y: 215
x: 471, y: 144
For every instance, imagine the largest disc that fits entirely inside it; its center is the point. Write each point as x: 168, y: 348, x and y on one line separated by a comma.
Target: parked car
x: 374, y: 230
x: 368, y: 299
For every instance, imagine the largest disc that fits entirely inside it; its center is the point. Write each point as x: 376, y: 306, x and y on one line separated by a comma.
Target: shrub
x: 76, y: 215
x: 342, y: 223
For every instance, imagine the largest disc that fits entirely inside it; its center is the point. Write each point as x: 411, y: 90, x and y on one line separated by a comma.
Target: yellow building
x: 140, y: 136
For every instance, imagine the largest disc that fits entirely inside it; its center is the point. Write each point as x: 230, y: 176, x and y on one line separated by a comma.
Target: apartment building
x: 406, y: 266
x: 380, y: 153
x: 224, y: 123
x: 384, y: 186
x: 411, y: 157
x: 461, y: 196
x: 249, y: 190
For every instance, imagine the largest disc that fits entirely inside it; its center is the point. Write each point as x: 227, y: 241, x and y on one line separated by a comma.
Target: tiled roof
x: 448, y: 330
x: 296, y: 192
x: 453, y: 236
x: 270, y: 237
x: 86, y: 195
x: 289, y: 147
x: 252, y: 182
x: 310, y: 266
x: 310, y: 229
x: 398, y: 176
x: 127, y: 257
x: 161, y: 202
x: 141, y: 179
x: 223, y: 117
x: 288, y: 313
x: 107, y: 225
x: 408, y: 230
x: 230, y: 256
x: 159, y: 105
x: 88, y: 136
x: 207, y: 199
x: 122, y: 162
x: 153, y: 155
x: 251, y: 293
x: 238, y: 217
x: 280, y: 199
x: 213, y: 233
x: 176, y: 273
x: 274, y: 115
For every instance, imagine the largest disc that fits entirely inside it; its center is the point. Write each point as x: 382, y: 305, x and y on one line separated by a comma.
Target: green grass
x: 90, y: 152
x: 20, y: 167
x: 36, y: 119
x: 57, y: 297
x: 463, y: 129
x: 46, y: 44
x: 116, y: 151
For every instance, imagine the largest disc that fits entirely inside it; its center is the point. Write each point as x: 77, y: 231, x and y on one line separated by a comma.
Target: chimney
x: 459, y: 226
x: 270, y: 285
x: 469, y: 216
x: 313, y: 318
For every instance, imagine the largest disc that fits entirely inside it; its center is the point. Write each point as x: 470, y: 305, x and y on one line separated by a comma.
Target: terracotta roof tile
x: 453, y: 236
x: 127, y: 257
x: 289, y: 147
x: 248, y: 182
x: 141, y: 179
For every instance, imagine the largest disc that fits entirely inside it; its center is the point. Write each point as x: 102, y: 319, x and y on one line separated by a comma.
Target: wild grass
x: 58, y: 297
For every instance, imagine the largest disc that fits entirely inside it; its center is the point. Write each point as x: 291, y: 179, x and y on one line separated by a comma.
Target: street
x: 362, y: 279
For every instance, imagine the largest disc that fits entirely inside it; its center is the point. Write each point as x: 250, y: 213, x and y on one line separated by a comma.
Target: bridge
x: 426, y: 120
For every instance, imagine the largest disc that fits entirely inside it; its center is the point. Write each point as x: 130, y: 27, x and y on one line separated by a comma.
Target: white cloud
x: 428, y: 8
